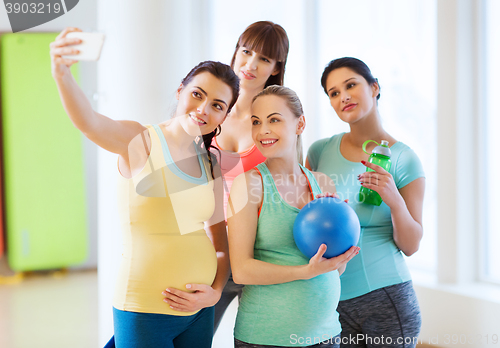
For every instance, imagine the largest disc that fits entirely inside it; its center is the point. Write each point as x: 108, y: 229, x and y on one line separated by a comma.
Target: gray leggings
x: 331, y: 343
x: 386, y: 317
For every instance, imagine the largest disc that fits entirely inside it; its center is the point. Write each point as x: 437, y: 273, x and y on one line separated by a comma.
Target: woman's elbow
x: 239, y: 276
x: 409, y: 245
x: 409, y: 250
x: 237, y: 279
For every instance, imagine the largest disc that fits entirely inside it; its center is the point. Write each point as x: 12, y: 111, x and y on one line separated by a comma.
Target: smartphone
x: 90, y: 48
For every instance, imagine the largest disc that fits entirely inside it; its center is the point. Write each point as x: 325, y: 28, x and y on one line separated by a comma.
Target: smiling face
x: 350, y: 95
x: 275, y: 127
x: 203, y: 104
x: 253, y: 68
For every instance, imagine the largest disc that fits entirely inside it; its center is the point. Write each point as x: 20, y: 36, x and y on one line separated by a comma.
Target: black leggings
x: 386, y: 317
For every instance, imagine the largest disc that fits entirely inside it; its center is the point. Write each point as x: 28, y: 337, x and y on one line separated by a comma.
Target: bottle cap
x: 381, y: 149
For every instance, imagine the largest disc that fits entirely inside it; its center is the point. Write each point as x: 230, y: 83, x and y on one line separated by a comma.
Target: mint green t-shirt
x: 297, y: 313
x: 379, y: 263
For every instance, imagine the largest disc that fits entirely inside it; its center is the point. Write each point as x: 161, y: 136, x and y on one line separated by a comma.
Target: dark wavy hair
x: 226, y: 74
x: 356, y: 65
x: 270, y: 40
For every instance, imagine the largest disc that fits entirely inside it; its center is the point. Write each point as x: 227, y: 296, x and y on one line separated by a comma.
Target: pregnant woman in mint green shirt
x: 288, y: 300
x: 377, y: 302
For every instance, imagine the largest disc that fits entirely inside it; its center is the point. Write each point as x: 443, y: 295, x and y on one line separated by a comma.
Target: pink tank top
x: 234, y: 164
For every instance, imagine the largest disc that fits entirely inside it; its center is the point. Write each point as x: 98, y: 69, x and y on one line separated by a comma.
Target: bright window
x: 397, y: 40
x: 491, y: 269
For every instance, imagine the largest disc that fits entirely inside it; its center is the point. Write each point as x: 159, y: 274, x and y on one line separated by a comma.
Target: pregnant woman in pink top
x: 259, y: 61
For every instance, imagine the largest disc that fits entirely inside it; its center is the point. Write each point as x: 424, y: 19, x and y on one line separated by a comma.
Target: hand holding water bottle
x: 377, y: 184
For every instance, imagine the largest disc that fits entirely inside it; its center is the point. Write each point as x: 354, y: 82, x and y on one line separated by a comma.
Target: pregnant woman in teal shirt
x: 288, y: 300
x: 378, y: 306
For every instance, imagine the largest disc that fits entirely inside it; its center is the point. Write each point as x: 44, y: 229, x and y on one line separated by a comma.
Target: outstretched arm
x: 109, y: 134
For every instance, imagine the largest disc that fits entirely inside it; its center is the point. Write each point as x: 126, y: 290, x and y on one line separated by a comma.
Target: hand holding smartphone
x: 90, y: 48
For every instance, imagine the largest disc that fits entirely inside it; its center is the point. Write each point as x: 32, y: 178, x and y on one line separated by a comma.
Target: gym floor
x: 53, y: 309
x: 59, y: 309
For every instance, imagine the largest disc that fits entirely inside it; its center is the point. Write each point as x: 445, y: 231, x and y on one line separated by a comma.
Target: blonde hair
x: 293, y: 103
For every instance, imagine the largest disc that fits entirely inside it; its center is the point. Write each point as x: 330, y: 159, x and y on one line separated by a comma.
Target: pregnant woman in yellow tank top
x: 175, y: 260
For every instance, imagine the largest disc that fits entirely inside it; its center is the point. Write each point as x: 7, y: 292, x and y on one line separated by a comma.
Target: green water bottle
x: 381, y: 156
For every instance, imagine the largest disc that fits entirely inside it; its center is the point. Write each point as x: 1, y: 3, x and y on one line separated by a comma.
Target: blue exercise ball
x: 329, y: 221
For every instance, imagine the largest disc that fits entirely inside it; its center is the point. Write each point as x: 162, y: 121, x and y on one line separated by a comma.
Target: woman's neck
x: 287, y: 167
x: 369, y: 127
x: 244, y: 103
x: 180, y: 139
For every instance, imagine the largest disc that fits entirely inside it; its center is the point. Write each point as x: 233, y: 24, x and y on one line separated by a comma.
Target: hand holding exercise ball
x: 329, y: 221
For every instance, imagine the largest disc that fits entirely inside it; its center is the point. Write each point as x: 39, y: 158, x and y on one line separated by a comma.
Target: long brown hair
x: 270, y: 40
x: 226, y: 74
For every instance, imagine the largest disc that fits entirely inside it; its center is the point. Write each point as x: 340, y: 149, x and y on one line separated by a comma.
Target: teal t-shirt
x: 379, y: 263
x: 297, y: 313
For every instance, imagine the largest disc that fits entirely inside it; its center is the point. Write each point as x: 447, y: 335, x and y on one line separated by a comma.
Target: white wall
x: 457, y: 309
x: 467, y: 314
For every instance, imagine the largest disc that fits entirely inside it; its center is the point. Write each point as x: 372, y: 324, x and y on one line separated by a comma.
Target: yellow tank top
x: 162, y: 213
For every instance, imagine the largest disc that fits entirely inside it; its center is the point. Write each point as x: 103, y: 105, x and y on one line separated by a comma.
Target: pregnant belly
x: 159, y: 263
